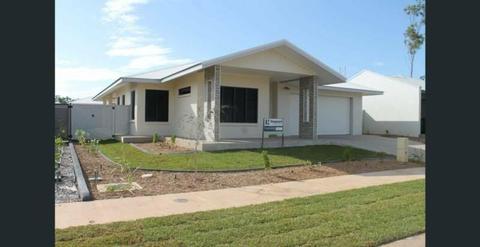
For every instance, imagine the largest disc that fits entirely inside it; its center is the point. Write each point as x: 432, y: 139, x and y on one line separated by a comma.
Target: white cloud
x: 82, y: 81
x: 122, y: 10
x: 134, y: 41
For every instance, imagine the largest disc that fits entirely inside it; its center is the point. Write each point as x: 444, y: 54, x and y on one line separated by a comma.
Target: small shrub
x: 266, y: 160
x: 155, y: 138
x: 173, y: 139
x: 58, y: 151
x: 272, y: 135
x: 93, y: 146
x: 309, y: 163
x: 81, y: 136
x: 347, y: 154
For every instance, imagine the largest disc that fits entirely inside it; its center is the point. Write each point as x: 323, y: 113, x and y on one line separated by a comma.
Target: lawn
x: 227, y: 160
x: 361, y: 217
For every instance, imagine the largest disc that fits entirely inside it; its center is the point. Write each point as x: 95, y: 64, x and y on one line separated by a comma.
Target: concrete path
x: 414, y: 241
x: 124, y: 209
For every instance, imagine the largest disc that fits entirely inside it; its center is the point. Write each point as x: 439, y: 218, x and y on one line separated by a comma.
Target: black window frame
x: 132, y: 104
x: 156, y: 105
x: 123, y: 99
x: 238, y: 105
x: 184, y: 91
x: 118, y: 100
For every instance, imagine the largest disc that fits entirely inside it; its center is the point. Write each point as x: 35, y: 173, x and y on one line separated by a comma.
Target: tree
x: 414, y: 35
x: 63, y: 100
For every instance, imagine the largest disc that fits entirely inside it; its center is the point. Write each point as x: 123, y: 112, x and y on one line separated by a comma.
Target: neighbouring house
x: 401, y: 108
x: 86, y: 101
x: 229, y: 96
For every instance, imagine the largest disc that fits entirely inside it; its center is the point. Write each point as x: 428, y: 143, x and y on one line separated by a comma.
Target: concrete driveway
x: 388, y: 145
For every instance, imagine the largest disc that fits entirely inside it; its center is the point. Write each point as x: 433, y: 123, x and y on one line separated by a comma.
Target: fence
x: 100, y: 121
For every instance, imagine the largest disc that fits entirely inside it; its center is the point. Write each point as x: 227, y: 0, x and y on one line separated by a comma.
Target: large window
x: 132, y: 103
x: 156, y: 106
x: 238, y: 105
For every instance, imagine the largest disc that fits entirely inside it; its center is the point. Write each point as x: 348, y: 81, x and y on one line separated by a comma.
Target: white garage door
x: 333, y: 115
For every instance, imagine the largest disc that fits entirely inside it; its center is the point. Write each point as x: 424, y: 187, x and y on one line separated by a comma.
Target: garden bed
x: 162, y: 182
x: 66, y: 190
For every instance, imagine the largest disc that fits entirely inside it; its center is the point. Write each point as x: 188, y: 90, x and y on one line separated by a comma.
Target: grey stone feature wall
x: 308, y: 129
x: 212, y: 111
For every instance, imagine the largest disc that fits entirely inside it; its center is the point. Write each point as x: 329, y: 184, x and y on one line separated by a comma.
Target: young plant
x: 173, y: 139
x: 93, y: 146
x: 155, y: 138
x: 58, y: 151
x: 266, y: 160
x: 347, y: 154
x: 81, y: 136
x: 309, y: 163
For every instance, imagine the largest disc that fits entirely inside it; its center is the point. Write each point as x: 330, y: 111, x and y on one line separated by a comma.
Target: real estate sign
x: 273, y: 124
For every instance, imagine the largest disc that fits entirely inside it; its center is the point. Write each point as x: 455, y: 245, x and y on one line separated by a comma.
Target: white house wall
x: 247, y: 130
x: 396, y: 111
x: 270, y: 60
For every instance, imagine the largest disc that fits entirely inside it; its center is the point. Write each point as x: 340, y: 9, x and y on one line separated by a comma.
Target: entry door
x: 333, y: 115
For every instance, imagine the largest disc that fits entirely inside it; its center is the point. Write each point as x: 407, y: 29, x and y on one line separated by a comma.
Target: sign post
x: 272, y: 125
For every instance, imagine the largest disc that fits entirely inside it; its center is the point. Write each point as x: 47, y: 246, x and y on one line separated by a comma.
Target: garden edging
x: 83, y: 190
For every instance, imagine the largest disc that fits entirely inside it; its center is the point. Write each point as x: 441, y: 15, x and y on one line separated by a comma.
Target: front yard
x: 362, y: 217
x: 228, y: 160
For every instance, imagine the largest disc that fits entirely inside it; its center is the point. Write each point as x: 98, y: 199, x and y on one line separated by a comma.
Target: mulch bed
x: 160, y: 148
x: 177, y: 182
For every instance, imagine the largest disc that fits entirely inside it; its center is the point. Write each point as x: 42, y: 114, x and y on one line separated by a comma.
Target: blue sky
x: 98, y: 41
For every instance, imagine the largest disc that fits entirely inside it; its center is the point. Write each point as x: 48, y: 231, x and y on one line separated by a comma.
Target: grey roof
x: 351, y: 87
x: 87, y: 100
x: 166, y: 74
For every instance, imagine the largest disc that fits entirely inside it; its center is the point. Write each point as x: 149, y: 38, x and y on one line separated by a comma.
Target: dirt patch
x: 177, y: 182
x: 160, y: 148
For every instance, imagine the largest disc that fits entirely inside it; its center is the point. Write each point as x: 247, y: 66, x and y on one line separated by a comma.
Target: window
x: 238, y: 105
x: 156, y: 106
x: 123, y: 99
x: 132, y: 103
x: 183, y: 91
x: 118, y: 100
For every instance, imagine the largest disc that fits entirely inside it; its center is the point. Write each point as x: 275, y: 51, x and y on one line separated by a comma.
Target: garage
x: 333, y: 115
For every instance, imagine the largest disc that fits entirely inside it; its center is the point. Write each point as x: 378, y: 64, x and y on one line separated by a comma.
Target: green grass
x: 361, y: 217
x: 227, y: 160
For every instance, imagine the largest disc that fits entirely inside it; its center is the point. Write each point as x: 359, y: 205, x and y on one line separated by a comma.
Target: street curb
x: 83, y: 190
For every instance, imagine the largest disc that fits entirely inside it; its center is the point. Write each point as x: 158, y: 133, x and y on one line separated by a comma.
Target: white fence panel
x: 121, y: 120
x: 100, y: 121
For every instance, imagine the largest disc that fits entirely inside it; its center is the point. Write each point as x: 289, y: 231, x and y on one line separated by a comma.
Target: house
x: 229, y: 96
x: 85, y: 101
x: 401, y: 108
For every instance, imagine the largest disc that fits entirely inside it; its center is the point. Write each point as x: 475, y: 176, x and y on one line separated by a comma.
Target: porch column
x: 308, y: 107
x: 212, y: 103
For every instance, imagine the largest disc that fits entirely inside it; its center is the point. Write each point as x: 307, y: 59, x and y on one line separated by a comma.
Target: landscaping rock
x: 66, y: 188
x: 147, y: 175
